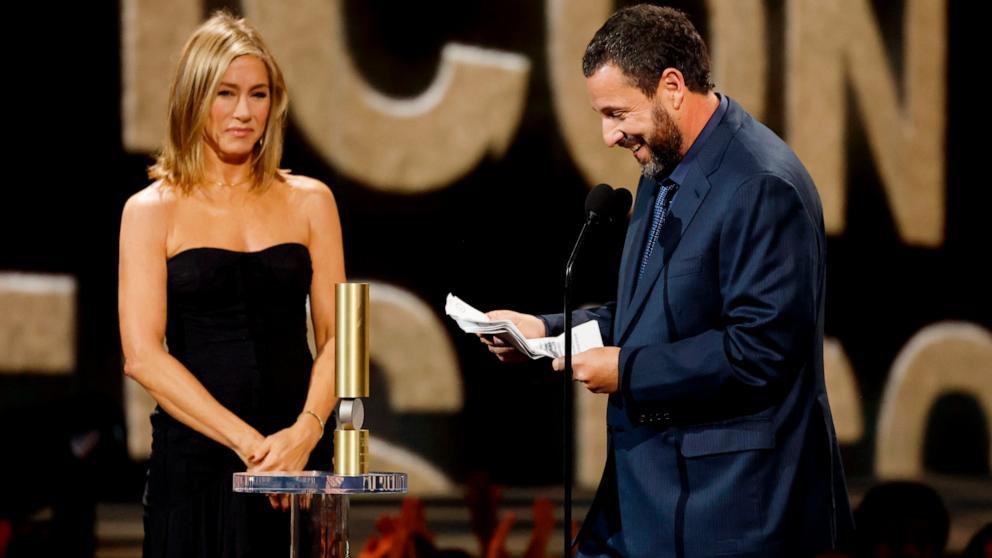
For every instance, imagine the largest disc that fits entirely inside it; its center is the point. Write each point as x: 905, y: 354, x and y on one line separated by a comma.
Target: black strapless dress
x: 237, y: 321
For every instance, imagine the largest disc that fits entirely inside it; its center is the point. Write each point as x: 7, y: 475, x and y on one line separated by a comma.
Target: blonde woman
x: 217, y: 257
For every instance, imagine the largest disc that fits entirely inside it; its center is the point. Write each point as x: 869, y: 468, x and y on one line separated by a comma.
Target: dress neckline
x: 238, y: 252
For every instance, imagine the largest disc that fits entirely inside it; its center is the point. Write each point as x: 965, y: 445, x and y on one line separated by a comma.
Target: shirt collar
x: 680, y: 171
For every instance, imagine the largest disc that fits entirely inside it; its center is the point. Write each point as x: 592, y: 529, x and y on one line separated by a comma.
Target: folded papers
x: 584, y: 336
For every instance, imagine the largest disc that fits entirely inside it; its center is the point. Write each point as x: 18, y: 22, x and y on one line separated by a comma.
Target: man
x: 721, y: 441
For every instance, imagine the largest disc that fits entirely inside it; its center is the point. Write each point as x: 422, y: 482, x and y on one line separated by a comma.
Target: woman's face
x: 240, y: 109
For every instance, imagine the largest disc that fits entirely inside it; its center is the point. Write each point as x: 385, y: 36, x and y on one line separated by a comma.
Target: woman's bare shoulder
x: 150, y: 206
x: 310, y: 193
x: 157, y: 197
x: 305, y: 185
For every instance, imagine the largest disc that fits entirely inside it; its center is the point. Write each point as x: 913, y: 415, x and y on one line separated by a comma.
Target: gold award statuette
x: 351, y: 442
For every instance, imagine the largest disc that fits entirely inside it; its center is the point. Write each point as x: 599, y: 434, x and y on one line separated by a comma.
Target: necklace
x: 224, y: 184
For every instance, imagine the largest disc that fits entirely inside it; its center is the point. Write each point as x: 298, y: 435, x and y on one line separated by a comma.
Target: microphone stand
x: 567, y: 395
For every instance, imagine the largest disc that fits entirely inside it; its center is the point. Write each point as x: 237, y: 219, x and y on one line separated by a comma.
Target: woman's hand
x: 249, y: 445
x: 287, y: 450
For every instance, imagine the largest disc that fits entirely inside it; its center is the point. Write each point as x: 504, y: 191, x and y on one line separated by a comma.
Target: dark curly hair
x: 643, y: 41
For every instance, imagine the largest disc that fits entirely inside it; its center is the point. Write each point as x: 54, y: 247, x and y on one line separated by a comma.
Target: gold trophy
x: 351, y: 442
x: 326, y: 494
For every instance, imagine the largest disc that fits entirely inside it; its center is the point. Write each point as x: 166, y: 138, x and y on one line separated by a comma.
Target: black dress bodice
x: 236, y: 321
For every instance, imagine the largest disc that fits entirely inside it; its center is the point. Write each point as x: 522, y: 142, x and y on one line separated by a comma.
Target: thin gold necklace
x: 224, y: 184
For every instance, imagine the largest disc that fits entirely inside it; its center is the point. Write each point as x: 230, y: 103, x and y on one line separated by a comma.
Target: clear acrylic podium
x: 319, y: 505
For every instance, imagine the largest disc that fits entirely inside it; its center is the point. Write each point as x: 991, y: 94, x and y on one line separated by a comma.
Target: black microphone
x: 599, y: 202
x: 620, y: 204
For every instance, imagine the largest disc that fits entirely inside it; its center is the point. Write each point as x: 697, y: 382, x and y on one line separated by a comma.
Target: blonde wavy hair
x: 205, y: 58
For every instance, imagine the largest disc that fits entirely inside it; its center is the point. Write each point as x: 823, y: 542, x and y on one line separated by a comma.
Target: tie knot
x: 667, y: 189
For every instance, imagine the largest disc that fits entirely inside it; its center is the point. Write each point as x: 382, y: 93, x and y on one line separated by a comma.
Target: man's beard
x: 665, y: 144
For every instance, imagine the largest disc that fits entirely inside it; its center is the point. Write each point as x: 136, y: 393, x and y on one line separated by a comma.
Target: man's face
x: 633, y: 121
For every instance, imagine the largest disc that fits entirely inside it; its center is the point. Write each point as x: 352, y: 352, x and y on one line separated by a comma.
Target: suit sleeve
x: 554, y: 324
x: 769, y: 280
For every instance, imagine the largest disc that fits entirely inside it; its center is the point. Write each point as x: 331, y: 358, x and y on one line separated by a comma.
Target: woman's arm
x: 142, y: 311
x: 289, y: 449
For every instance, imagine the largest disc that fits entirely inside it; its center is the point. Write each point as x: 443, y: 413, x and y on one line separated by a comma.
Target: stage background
x: 493, y: 216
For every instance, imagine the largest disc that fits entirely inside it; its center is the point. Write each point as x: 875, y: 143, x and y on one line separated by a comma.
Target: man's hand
x: 530, y: 326
x: 598, y: 369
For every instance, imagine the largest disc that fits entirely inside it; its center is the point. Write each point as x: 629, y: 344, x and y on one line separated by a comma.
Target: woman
x: 217, y: 257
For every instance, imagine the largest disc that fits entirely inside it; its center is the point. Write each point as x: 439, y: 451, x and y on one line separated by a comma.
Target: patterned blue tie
x: 665, y: 192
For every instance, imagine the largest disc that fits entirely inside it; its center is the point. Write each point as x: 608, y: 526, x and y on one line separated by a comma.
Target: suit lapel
x: 683, y: 209
x: 633, y: 246
x: 691, y: 193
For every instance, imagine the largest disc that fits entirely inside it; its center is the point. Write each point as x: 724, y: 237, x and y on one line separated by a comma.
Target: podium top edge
x: 319, y: 482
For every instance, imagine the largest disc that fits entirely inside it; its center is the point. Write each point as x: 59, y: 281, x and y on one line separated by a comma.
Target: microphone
x: 599, y: 202
x: 620, y: 204
x: 605, y: 204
